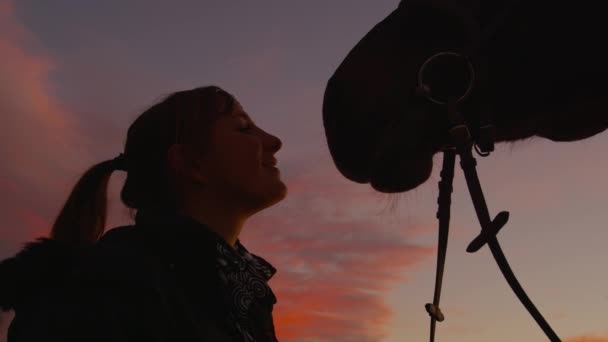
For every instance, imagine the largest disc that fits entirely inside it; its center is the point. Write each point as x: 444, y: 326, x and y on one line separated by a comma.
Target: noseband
x: 462, y: 144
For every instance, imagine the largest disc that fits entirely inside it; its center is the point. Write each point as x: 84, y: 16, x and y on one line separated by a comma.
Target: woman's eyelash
x: 246, y: 128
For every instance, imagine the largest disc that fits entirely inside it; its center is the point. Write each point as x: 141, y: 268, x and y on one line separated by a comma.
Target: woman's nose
x: 272, y: 142
x: 275, y: 143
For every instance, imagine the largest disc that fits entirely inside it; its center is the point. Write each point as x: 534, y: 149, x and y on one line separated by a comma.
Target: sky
x: 353, y: 265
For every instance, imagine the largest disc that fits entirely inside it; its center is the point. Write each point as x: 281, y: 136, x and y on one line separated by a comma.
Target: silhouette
x: 449, y: 76
x: 197, y: 169
x: 540, y: 74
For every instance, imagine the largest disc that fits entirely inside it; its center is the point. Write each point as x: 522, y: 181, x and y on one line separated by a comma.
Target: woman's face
x: 239, y: 162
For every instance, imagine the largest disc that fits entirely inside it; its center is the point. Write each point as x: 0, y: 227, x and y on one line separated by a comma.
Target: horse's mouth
x: 394, y: 172
x: 394, y: 159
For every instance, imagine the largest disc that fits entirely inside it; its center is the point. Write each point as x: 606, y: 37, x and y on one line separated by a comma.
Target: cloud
x: 36, y: 128
x: 36, y: 131
x: 41, y: 145
x: 587, y: 338
x: 337, y: 257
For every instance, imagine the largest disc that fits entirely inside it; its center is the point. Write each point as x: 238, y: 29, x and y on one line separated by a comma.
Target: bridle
x: 462, y: 143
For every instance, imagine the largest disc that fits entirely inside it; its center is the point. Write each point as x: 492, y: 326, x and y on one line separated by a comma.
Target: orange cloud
x: 587, y: 339
x: 336, y: 258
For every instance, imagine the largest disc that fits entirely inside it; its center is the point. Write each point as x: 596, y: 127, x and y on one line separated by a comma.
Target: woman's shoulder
x: 57, y: 289
x: 122, y: 254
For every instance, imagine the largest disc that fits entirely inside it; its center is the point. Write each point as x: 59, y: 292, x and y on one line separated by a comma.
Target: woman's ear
x: 185, y: 164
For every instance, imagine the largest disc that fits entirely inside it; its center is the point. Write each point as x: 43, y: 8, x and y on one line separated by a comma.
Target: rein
x: 462, y: 144
x: 490, y: 229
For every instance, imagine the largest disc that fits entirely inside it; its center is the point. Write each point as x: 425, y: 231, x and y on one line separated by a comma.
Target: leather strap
x: 443, y: 214
x: 461, y: 138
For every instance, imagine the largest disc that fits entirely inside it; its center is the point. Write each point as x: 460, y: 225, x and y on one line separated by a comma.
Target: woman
x: 197, y: 169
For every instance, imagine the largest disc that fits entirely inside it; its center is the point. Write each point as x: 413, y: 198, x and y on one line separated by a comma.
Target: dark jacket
x: 154, y: 281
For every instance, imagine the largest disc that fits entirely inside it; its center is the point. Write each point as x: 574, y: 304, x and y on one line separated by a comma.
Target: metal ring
x: 425, y: 87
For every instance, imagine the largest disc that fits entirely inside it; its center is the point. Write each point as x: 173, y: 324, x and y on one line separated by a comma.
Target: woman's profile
x: 197, y: 169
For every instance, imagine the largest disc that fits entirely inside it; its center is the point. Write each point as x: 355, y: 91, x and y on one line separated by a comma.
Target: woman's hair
x: 182, y: 117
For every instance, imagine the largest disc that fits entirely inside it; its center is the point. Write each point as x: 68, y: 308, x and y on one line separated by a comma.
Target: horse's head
x: 540, y: 73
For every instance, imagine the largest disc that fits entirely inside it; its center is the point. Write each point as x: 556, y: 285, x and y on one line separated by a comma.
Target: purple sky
x: 75, y: 74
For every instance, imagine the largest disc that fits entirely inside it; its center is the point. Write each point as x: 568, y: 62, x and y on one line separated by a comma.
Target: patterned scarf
x: 249, y: 297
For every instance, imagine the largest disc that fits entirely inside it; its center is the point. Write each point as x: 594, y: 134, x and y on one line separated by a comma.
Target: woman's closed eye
x: 245, y: 124
x: 246, y: 128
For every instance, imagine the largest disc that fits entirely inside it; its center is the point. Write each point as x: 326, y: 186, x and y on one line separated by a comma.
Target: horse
x: 452, y: 75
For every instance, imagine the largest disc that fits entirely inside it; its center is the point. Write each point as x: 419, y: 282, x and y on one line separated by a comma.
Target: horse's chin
x: 401, y: 172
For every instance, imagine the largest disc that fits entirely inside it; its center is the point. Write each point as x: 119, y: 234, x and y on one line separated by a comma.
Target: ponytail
x: 82, y: 219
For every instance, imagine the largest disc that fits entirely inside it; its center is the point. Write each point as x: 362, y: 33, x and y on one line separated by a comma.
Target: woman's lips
x: 273, y: 169
x: 271, y: 163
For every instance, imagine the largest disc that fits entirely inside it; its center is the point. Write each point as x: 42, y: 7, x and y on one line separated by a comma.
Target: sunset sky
x: 74, y: 74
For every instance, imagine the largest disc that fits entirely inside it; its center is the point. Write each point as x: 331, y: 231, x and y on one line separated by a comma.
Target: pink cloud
x: 336, y: 257
x: 35, y: 121
x: 40, y: 143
